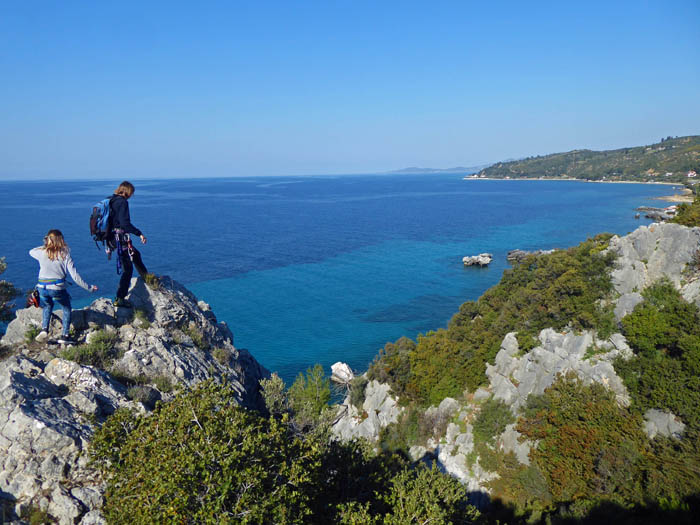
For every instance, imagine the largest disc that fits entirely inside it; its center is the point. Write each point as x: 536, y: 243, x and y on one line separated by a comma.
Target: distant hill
x: 669, y: 160
x: 457, y: 169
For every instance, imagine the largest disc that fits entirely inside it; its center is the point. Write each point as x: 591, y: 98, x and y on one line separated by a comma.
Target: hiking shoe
x: 42, y: 337
x: 123, y: 303
x: 66, y: 340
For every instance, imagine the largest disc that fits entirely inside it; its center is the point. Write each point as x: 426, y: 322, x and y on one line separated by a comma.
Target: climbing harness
x: 43, y: 283
x: 122, y: 240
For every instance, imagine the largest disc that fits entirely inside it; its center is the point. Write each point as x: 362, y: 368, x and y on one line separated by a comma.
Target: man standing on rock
x: 119, y: 241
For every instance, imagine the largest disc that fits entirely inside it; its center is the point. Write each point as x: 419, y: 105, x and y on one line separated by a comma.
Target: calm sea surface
x: 321, y: 269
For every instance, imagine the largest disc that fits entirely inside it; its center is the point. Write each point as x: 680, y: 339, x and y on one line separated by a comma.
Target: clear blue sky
x: 162, y: 89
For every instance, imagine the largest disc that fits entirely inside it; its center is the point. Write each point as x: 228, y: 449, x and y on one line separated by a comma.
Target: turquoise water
x: 322, y: 269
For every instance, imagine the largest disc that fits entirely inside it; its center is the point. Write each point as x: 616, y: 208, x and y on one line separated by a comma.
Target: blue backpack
x: 99, y: 220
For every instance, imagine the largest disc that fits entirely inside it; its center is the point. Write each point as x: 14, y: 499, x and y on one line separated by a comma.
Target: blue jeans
x: 48, y: 298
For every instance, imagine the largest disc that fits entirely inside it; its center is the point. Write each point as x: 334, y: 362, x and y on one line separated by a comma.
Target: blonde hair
x: 55, y: 245
x: 125, y: 189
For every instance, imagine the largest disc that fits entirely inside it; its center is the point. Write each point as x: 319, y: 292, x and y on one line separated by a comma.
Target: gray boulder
x: 660, y: 423
x: 341, y: 373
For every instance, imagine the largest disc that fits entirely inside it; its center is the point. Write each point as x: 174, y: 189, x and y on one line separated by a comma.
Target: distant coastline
x: 686, y: 194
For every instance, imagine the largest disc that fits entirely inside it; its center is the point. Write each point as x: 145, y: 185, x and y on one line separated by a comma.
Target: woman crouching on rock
x: 55, y: 262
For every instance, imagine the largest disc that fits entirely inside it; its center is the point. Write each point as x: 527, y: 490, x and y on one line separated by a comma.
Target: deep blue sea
x: 321, y: 269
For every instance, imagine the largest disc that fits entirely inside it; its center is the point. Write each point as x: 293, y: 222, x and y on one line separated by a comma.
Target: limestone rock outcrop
x: 50, y: 406
x: 650, y: 253
x: 379, y: 409
x: 512, y: 378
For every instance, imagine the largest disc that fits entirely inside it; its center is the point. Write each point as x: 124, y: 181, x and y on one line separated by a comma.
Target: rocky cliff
x: 643, y: 257
x: 52, y: 399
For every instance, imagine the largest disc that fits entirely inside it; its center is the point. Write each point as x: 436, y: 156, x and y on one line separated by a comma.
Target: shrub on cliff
x: 588, y: 446
x: 100, y: 352
x: 688, y: 214
x: 392, y: 365
x: 7, y: 293
x: 202, y: 459
x: 492, y: 420
x: 664, y: 332
x: 416, y: 496
x: 305, y: 402
x: 309, y: 396
x: 591, y: 454
x: 664, y: 323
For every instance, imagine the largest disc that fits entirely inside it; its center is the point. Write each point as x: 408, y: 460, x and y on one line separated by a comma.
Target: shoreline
x: 686, y: 195
x: 578, y: 180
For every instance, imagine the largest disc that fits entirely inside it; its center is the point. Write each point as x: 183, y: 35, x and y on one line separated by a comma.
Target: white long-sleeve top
x: 57, y: 269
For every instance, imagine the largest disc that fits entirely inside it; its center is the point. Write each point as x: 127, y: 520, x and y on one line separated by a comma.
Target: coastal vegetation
x: 688, y: 214
x: 669, y: 160
x: 203, y: 459
x: 664, y: 332
x: 592, y: 451
x: 591, y: 457
x: 564, y: 288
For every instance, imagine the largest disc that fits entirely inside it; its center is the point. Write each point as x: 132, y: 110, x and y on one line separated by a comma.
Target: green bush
x: 588, y: 447
x: 152, y: 281
x: 222, y: 355
x: 673, y: 467
x: 357, y: 391
x: 31, y: 334
x: 309, y: 396
x: 688, y: 214
x: 664, y: 332
x: 523, y: 486
x: 163, y: 383
x: 400, y: 435
x: 7, y: 293
x: 142, y: 316
x: 35, y: 516
x: 197, y: 336
x: 417, y: 496
x: 492, y: 420
x: 392, y: 365
x: 100, y: 352
x: 203, y: 459
x: 662, y: 322
x: 275, y: 395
